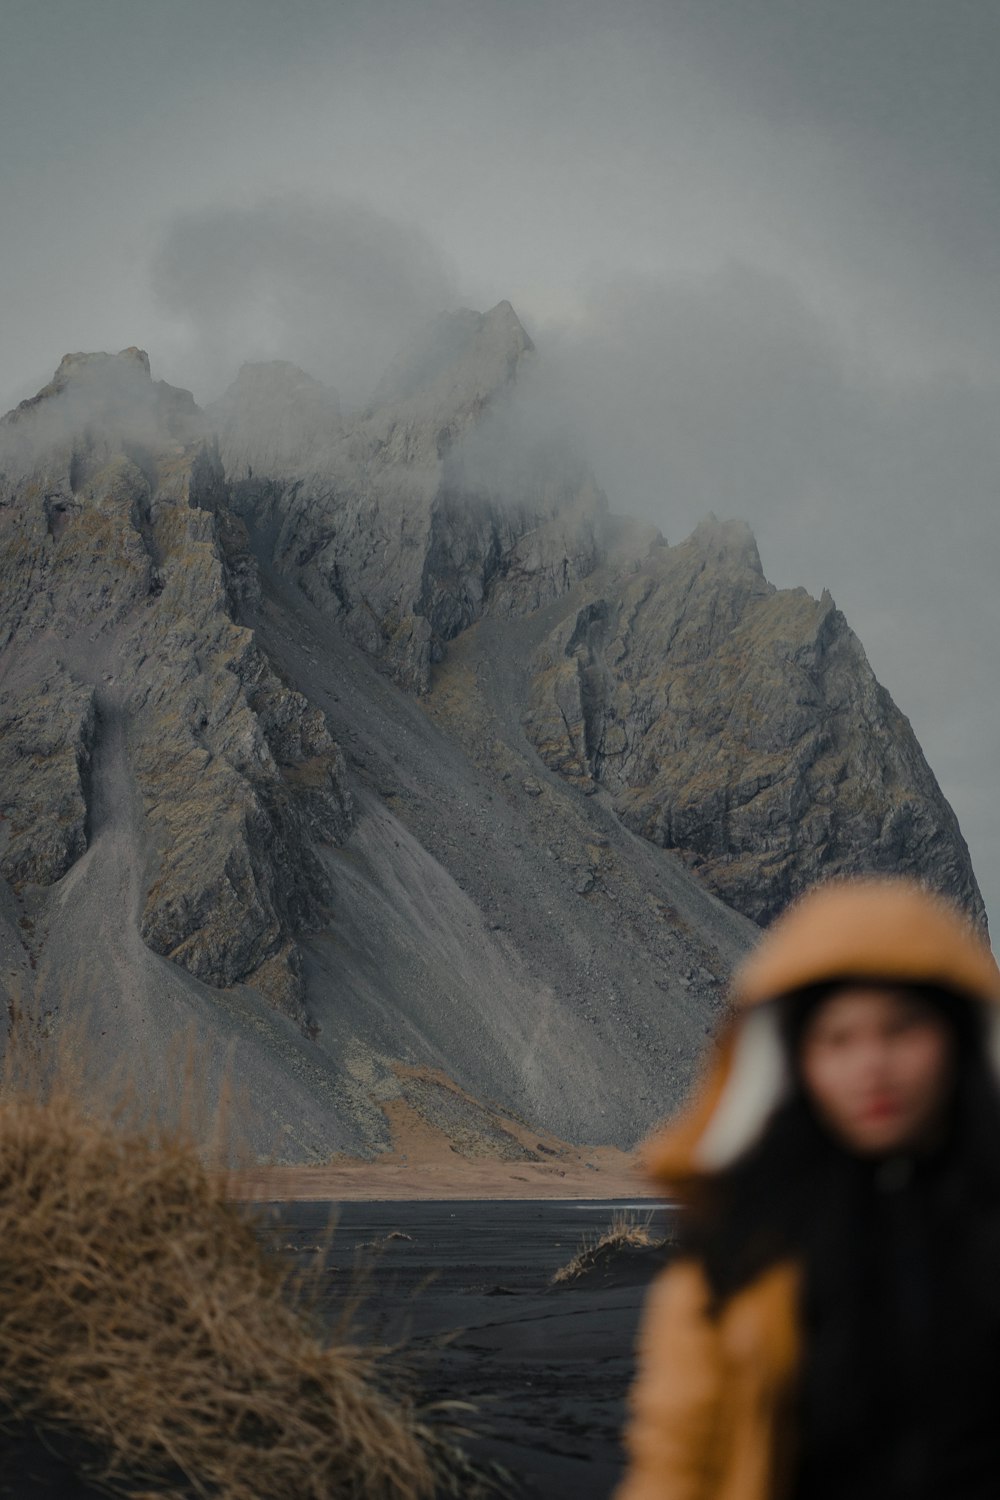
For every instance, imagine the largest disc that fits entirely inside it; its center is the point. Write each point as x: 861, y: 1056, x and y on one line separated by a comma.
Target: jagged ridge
x: 430, y: 508
x: 122, y: 579
x: 742, y: 726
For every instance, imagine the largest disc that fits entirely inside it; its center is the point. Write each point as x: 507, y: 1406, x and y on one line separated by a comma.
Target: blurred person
x: 830, y: 1325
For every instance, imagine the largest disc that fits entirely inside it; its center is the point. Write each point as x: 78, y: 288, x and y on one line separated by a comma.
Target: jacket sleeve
x: 672, y: 1434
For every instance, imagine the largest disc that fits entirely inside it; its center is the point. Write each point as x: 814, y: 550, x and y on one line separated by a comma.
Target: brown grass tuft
x: 138, y: 1309
x: 625, y: 1232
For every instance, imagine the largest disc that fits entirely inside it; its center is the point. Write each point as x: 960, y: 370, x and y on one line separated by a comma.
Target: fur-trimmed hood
x: 891, y: 930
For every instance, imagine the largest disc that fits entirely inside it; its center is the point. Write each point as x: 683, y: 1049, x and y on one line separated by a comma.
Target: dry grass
x: 625, y: 1232
x: 138, y: 1310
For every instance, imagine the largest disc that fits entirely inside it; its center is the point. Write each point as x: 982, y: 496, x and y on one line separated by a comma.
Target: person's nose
x: 874, y: 1062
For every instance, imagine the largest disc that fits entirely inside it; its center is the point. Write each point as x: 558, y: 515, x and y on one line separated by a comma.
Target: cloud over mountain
x: 330, y: 284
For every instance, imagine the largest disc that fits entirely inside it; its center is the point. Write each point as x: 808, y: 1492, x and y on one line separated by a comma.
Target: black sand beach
x: 467, y: 1294
x: 461, y: 1290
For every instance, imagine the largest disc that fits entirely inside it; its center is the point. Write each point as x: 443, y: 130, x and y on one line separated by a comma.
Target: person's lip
x: 882, y: 1108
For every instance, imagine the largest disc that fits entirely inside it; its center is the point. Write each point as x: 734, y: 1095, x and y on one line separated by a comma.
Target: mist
x: 332, y: 286
x: 113, y: 394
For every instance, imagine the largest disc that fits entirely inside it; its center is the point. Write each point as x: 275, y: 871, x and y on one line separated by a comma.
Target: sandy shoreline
x: 508, y: 1161
x: 367, y: 1182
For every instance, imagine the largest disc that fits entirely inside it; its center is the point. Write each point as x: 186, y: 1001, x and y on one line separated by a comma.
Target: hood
x: 887, y: 930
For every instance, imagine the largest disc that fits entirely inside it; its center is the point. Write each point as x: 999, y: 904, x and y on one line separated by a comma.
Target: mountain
x: 379, y: 755
x: 431, y: 508
x: 271, y: 415
x: 740, y: 725
x: 128, y: 679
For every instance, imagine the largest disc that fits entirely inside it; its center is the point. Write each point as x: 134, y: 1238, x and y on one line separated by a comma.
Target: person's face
x: 878, y: 1065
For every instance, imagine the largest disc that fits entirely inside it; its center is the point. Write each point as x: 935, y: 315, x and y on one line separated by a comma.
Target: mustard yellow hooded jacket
x: 712, y: 1409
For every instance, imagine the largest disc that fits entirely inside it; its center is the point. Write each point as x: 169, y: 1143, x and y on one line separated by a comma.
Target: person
x: 830, y: 1323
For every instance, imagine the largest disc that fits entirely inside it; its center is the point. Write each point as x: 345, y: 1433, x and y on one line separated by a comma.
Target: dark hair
x: 790, y: 1195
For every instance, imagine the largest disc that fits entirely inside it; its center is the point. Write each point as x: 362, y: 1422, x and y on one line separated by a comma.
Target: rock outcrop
x: 271, y: 418
x: 430, y: 508
x: 742, y: 726
x: 123, y: 575
x: 46, y: 739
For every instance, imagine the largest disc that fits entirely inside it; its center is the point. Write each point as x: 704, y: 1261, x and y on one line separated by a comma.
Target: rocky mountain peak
x: 275, y: 419
x: 410, y: 521
x: 99, y: 396
x: 123, y: 576
x: 275, y: 379
x: 82, y: 365
x: 740, y: 725
x: 727, y: 543
x: 462, y: 360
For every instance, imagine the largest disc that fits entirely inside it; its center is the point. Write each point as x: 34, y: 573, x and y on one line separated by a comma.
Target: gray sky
x: 756, y: 241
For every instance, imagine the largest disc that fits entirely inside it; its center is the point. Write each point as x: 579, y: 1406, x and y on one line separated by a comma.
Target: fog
x: 114, y: 394
x: 334, y: 287
x: 756, y: 243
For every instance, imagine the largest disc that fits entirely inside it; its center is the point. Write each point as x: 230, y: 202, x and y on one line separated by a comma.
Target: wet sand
x: 467, y: 1295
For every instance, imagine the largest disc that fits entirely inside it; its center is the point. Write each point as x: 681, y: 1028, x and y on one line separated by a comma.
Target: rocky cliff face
x: 431, y: 507
x: 123, y: 577
x: 742, y: 726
